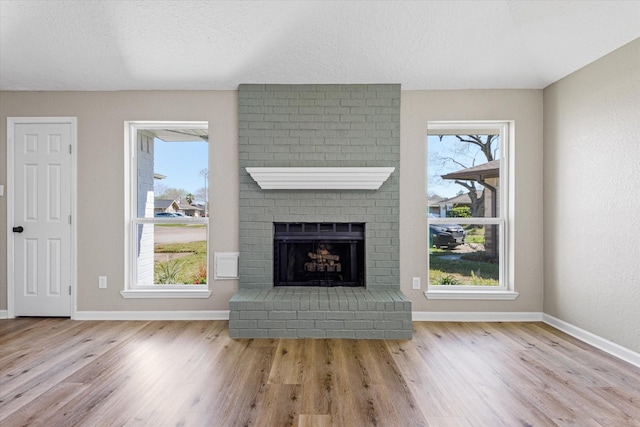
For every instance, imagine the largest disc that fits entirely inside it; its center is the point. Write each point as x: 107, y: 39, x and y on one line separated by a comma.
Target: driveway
x: 179, y: 234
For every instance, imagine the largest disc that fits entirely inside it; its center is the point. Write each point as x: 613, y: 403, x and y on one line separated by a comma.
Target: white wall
x: 592, y: 197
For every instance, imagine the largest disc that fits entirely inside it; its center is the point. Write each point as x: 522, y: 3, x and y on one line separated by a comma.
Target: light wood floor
x: 57, y: 372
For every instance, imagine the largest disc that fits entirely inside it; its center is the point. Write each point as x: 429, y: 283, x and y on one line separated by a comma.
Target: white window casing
x: 504, y: 220
x: 138, y: 250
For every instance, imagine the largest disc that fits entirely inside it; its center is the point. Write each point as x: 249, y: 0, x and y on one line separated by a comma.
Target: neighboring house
x: 192, y: 210
x: 166, y: 205
x: 446, y: 205
x: 434, y: 205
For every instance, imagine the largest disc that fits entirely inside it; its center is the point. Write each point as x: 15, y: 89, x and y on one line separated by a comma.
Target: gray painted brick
x: 301, y: 324
x: 273, y: 120
x: 358, y: 324
x: 272, y: 324
x: 368, y: 315
x: 277, y: 102
x: 253, y: 315
x: 330, y: 324
x: 403, y: 334
x: 251, y: 333
x: 340, y: 333
x: 312, y: 333
x: 340, y: 315
x: 245, y: 324
x: 313, y: 315
x: 283, y: 315
x: 370, y: 334
x: 387, y: 324
x: 398, y: 315
x: 283, y: 333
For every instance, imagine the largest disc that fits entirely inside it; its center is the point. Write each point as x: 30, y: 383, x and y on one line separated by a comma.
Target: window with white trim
x: 167, y: 209
x: 468, y: 209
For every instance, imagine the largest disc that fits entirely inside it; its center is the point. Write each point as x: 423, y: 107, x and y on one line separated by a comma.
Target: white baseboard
x: 4, y: 314
x: 457, y: 316
x: 603, y: 344
x: 152, y: 315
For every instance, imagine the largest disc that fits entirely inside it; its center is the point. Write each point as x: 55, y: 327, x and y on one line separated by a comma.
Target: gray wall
x: 101, y: 117
x: 525, y: 252
x: 319, y: 125
x: 592, y: 177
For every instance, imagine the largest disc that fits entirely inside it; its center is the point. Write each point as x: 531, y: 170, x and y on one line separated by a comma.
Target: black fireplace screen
x: 318, y: 254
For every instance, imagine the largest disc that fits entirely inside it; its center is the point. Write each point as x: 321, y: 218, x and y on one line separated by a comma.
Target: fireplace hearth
x: 319, y: 254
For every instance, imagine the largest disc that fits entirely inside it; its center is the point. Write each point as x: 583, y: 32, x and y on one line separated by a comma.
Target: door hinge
x: 69, y: 219
x: 69, y: 289
x: 70, y: 148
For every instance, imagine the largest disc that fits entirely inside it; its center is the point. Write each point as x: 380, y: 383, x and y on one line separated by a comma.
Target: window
x: 468, y: 210
x: 167, y: 210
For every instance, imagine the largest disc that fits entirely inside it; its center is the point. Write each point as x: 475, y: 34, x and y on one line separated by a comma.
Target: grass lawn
x: 182, y: 225
x: 443, y: 271
x: 188, y: 270
x: 475, y: 235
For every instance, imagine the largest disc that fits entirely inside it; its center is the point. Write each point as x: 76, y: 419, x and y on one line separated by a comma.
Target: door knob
x: 18, y: 229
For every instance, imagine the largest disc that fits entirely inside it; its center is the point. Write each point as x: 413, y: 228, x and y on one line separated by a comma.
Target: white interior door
x: 41, y: 229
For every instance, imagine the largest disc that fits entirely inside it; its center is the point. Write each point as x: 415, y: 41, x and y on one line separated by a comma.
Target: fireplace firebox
x: 319, y: 254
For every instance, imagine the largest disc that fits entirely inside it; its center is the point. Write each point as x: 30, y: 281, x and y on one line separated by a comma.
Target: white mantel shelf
x: 320, y: 178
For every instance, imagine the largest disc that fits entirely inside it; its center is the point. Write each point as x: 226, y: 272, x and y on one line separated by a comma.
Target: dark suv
x: 446, y: 235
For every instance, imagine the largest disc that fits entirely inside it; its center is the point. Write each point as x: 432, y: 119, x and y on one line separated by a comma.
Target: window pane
x: 464, y: 175
x: 171, y: 173
x: 172, y: 254
x: 475, y: 263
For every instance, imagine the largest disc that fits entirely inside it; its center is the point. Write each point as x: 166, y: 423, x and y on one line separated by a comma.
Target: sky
x: 435, y: 168
x: 181, y: 163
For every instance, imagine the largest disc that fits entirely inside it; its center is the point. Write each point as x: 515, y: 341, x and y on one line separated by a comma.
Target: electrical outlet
x: 102, y: 282
x: 416, y: 283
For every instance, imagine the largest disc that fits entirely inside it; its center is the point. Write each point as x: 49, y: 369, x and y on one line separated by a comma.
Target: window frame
x: 132, y: 221
x: 505, y: 290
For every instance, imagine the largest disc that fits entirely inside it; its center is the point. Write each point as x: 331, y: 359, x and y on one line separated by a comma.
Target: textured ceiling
x: 120, y: 45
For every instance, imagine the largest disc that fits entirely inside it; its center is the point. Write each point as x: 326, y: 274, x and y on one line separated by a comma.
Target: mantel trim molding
x: 320, y: 178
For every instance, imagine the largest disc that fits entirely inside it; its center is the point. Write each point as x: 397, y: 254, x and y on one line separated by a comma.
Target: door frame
x: 11, y: 122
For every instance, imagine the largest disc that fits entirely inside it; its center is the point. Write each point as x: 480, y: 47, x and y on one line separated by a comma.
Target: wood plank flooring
x: 59, y: 372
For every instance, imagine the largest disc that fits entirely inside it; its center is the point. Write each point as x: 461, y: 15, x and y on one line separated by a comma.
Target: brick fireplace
x: 309, y: 128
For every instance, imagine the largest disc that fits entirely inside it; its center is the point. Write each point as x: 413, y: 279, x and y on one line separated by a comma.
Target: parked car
x: 446, y: 235
x: 166, y: 214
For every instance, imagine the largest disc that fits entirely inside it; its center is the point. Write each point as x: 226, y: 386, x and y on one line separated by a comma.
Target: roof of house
x: 477, y: 173
x: 163, y: 203
x: 460, y: 199
x: 435, y: 200
x: 190, y: 208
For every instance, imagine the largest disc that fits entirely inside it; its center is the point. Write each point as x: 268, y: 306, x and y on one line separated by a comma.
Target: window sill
x: 166, y: 293
x: 472, y: 295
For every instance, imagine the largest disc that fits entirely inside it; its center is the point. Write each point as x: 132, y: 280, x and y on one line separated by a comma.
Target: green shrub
x: 448, y: 280
x: 459, y: 212
x: 477, y: 280
x: 167, y: 272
